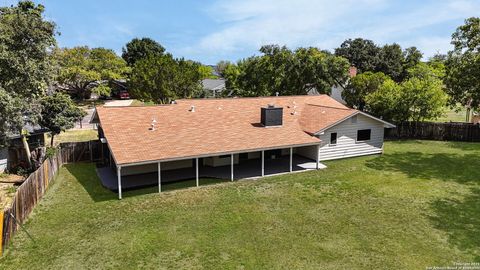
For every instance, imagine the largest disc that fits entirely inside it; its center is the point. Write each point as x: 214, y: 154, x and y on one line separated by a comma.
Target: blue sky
x: 213, y: 30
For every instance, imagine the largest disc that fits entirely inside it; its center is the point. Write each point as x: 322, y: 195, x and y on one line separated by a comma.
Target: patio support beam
x: 291, y: 159
x: 159, y: 177
x: 263, y: 163
x: 318, y: 156
x: 196, y: 172
x: 231, y: 167
x: 119, y: 179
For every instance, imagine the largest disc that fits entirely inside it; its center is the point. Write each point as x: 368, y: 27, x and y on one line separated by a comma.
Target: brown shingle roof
x: 218, y: 126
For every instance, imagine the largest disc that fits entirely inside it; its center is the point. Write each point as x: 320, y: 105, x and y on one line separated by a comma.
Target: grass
x: 453, y: 115
x: 137, y: 102
x: 73, y: 136
x: 417, y: 205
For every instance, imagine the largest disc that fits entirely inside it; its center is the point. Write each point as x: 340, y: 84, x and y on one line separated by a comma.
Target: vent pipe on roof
x: 152, y: 125
x: 276, y: 94
x: 192, y: 109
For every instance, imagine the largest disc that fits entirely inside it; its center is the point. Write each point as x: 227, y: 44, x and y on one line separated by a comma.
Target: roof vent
x: 271, y: 116
x: 173, y: 102
x: 276, y: 94
x: 192, y: 109
x: 152, y: 125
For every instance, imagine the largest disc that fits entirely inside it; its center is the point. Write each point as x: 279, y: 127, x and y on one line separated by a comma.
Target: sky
x: 212, y: 30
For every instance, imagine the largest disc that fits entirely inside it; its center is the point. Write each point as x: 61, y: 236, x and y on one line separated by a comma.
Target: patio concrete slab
x: 246, y: 169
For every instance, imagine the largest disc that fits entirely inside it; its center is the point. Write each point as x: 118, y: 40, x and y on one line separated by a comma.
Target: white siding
x: 3, y: 159
x: 347, y: 145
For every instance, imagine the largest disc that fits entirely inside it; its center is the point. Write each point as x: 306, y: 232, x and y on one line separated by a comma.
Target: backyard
x: 418, y: 205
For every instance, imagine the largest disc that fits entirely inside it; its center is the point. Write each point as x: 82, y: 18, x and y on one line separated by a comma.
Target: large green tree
x: 138, y: 49
x: 364, y: 54
x: 287, y: 72
x: 421, y: 96
x: 463, y: 66
x: 84, y: 69
x: 362, y: 85
x: 162, y: 78
x: 388, y: 59
x: 26, y: 40
x: 59, y: 113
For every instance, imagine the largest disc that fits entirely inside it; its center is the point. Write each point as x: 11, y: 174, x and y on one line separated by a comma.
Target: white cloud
x: 245, y: 25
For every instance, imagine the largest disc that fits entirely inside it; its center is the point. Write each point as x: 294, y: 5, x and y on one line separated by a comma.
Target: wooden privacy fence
x: 435, y: 131
x: 34, y: 187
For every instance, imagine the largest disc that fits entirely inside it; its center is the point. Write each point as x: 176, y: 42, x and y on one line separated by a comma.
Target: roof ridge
x: 239, y: 98
x: 318, y: 105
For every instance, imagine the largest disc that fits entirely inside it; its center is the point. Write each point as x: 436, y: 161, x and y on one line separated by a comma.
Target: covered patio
x: 237, y: 168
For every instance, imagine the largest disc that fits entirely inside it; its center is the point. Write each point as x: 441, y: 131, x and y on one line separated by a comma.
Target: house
x: 230, y: 138
x: 14, y: 155
x: 213, y: 87
x: 336, y: 90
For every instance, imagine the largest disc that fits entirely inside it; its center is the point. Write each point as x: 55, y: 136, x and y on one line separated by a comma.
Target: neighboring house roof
x: 213, y: 84
x: 216, y: 127
x: 32, y: 130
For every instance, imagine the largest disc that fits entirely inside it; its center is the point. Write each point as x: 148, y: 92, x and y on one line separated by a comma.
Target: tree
x: 162, y: 79
x: 362, y: 53
x: 83, y: 69
x: 206, y: 72
x: 463, y: 66
x: 26, y: 69
x: 419, y: 97
x: 362, y: 85
x: 411, y: 57
x: 287, y: 72
x: 391, y: 61
x: 138, y: 49
x: 59, y: 113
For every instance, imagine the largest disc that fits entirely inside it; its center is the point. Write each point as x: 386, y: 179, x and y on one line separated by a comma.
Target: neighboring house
x: 213, y: 87
x: 336, y: 90
x: 239, y: 137
x: 14, y: 154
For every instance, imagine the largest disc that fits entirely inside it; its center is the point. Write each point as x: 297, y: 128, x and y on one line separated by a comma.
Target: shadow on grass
x: 465, y: 146
x: 447, y: 167
x: 461, y: 221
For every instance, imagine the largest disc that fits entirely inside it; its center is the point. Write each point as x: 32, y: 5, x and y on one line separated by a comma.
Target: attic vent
x: 192, y: 109
x: 271, y: 116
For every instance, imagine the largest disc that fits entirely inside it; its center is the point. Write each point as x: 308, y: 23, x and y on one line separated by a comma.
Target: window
x: 333, y: 138
x: 354, y: 119
x: 363, y: 134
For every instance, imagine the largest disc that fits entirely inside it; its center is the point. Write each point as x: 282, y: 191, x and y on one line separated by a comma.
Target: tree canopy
x: 463, y: 65
x: 162, y: 79
x: 83, y: 69
x: 421, y: 96
x: 26, y: 69
x: 286, y: 72
x: 59, y: 113
x: 362, y: 85
x: 389, y: 59
x: 138, y: 49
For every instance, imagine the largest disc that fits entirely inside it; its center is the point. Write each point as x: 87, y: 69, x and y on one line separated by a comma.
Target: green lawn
x: 453, y: 115
x: 418, y: 205
x: 73, y: 136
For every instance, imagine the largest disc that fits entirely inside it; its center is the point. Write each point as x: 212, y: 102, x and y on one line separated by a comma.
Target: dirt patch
x: 8, y: 186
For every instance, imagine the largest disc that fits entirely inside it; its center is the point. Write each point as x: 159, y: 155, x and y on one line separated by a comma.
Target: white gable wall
x: 347, y: 145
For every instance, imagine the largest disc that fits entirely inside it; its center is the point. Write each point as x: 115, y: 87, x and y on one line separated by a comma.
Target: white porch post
x: 196, y: 171
x: 291, y: 158
x: 318, y: 155
x: 159, y: 177
x: 119, y: 179
x: 231, y: 167
x: 263, y: 163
